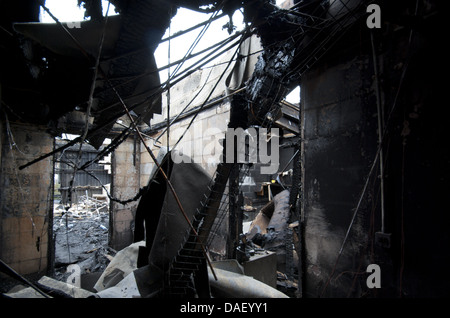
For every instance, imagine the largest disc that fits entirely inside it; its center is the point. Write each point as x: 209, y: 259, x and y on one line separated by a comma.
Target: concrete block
x: 123, y: 216
x: 146, y: 168
x: 145, y: 156
x: 126, y: 146
x: 118, y: 179
x: 121, y: 227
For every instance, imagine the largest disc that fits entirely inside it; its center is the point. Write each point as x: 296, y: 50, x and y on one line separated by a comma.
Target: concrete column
x: 26, y: 197
x: 125, y: 185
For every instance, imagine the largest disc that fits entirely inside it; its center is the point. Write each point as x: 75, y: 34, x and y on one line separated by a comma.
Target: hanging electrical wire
x: 185, y: 73
x: 332, y: 30
x: 179, y: 33
x: 168, y: 91
x: 164, y: 216
x: 243, y: 37
x: 215, y: 47
x: 172, y: 189
x: 170, y: 122
x: 160, y: 89
x: 90, y: 101
x: 181, y: 62
x: 194, y: 44
x: 138, y: 195
x: 171, y: 37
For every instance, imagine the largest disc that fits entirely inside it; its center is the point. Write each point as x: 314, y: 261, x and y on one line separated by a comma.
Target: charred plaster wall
x: 26, y: 198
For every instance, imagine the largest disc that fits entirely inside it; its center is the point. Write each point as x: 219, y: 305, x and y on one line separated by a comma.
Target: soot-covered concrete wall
x: 340, y: 142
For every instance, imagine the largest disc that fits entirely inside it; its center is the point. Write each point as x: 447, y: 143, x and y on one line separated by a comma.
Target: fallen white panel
x: 126, y: 288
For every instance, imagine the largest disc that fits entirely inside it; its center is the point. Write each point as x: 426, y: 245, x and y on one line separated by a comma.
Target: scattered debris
x: 122, y: 279
x: 271, y: 231
x: 287, y: 286
x: 81, y: 236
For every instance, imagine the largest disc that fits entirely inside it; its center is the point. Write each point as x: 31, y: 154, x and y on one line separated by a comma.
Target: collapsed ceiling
x: 56, y: 74
x: 50, y: 71
x: 81, y: 79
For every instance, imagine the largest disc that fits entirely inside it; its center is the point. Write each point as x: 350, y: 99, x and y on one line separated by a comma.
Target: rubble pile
x: 81, y: 236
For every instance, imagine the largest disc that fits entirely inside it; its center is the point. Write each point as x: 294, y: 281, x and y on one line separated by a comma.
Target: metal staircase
x: 191, y: 255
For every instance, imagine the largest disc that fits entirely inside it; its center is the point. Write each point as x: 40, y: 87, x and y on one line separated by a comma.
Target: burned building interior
x: 361, y: 176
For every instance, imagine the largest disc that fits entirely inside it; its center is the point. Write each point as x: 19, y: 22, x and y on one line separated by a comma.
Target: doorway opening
x: 81, y: 209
